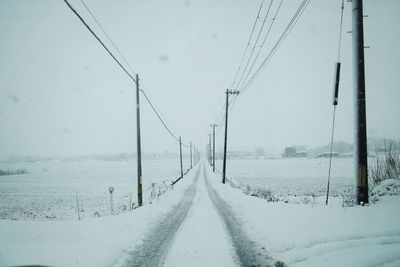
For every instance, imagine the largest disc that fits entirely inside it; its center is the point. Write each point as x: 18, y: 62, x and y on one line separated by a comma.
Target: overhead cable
x: 159, y: 117
x: 283, y: 36
x: 263, y: 43
x: 248, y: 44
x: 98, y: 39
x: 118, y: 62
x: 108, y: 37
x: 254, y: 45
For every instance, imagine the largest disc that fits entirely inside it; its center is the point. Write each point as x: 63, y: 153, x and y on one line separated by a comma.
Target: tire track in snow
x: 154, y: 249
x: 247, y: 251
x: 202, y: 239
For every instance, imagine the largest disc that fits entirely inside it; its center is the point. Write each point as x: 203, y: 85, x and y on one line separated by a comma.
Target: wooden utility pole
x: 209, y: 149
x: 180, y: 153
x: 228, y: 92
x: 361, y: 152
x: 191, y: 163
x: 139, y: 150
x: 213, y: 151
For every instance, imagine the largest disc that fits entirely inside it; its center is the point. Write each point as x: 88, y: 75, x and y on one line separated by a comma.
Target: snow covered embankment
x: 306, y: 235
x: 91, y: 242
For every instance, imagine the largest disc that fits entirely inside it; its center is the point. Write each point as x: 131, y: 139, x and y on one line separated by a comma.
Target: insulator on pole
x: 337, y: 79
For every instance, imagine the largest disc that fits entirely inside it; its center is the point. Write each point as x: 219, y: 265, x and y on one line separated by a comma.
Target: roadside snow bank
x: 389, y: 187
x: 307, y: 235
x: 101, y: 241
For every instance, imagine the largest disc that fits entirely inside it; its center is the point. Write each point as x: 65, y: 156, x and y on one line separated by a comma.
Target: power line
x: 283, y: 36
x: 221, y: 120
x: 263, y: 43
x: 98, y: 39
x: 221, y: 113
x: 159, y: 117
x: 259, y: 51
x: 234, y: 98
x: 340, y: 31
x: 335, y: 101
x: 143, y: 88
x: 248, y: 44
x: 108, y: 37
x: 119, y: 52
x: 255, y: 45
x: 281, y: 39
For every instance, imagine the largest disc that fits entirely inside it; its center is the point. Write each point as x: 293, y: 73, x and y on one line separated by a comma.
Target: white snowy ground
x: 307, y: 235
x: 298, y: 235
x: 103, y: 241
x: 202, y: 239
x: 295, y: 180
x: 49, y: 188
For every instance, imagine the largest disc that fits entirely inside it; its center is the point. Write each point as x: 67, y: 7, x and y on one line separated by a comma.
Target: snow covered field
x: 202, y: 214
x: 105, y: 241
x: 295, y: 179
x: 48, y: 190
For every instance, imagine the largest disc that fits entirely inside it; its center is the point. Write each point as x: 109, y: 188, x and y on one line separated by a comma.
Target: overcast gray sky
x: 62, y: 94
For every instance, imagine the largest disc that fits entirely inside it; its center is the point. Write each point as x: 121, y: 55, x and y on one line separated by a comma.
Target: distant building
x: 301, y: 154
x: 289, y: 152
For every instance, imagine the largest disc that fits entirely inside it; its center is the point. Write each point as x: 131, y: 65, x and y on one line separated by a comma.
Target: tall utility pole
x: 228, y: 92
x: 191, y: 163
x: 213, y: 157
x: 361, y: 153
x: 209, y: 149
x: 180, y: 153
x: 139, y: 150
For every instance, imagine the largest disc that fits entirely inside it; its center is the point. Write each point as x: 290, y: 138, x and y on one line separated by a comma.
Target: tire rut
x: 154, y: 249
x: 248, y: 253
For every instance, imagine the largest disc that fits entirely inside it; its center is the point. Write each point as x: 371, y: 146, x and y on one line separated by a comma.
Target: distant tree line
x: 12, y: 172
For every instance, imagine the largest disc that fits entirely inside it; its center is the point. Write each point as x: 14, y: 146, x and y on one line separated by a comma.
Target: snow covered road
x: 156, y: 245
x: 200, y: 231
x: 248, y: 252
x: 202, y: 239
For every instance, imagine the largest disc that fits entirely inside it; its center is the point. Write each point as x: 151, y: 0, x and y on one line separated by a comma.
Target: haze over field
x: 61, y: 93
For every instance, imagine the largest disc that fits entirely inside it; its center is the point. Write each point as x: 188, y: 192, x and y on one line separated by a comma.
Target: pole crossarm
x: 232, y: 92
